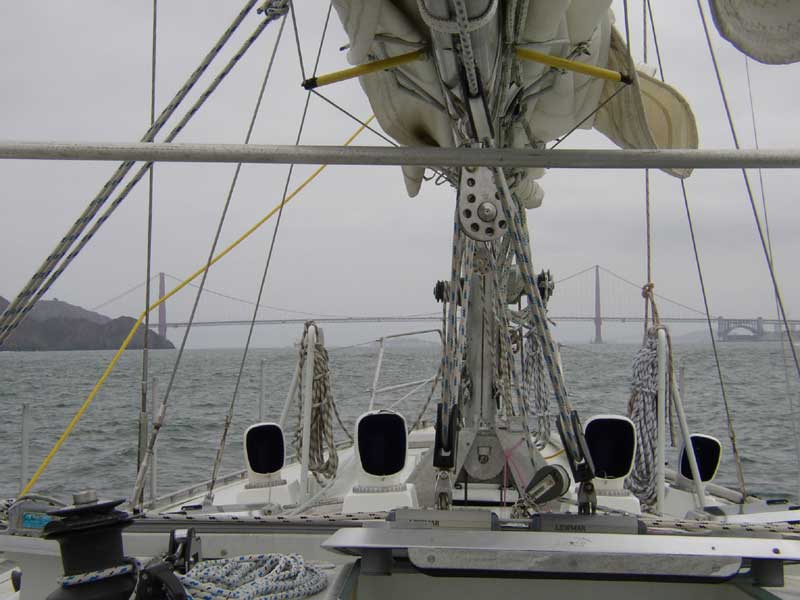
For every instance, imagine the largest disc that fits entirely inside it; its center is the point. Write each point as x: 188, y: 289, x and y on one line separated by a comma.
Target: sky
x: 353, y: 243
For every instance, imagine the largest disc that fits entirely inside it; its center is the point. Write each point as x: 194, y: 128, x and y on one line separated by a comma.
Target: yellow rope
x: 179, y: 287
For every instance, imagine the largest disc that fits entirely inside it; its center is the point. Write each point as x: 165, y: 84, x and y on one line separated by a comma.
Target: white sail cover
x: 409, y: 102
x: 766, y: 30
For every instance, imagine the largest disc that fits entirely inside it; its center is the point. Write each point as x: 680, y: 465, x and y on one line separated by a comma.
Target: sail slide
x: 532, y: 103
x: 769, y: 32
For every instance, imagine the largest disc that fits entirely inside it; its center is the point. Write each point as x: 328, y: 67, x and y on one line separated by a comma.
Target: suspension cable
x: 130, y: 290
x: 229, y: 415
x: 659, y: 296
x: 759, y: 227
x: 147, y: 459
x: 16, y: 312
x: 568, y: 277
x: 261, y: 306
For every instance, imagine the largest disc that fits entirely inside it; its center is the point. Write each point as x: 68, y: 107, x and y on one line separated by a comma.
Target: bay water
x: 101, y: 453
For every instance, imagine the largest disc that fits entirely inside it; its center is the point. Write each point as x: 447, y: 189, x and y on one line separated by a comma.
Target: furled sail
x: 766, y: 31
x: 532, y: 103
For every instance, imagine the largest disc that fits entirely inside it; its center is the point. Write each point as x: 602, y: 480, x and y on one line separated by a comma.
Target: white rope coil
x: 254, y: 577
x: 642, y: 410
x: 323, y: 409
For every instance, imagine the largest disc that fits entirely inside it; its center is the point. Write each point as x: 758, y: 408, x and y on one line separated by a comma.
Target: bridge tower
x: 162, y: 308
x: 598, y: 320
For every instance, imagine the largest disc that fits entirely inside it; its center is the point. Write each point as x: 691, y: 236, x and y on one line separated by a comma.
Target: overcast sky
x: 352, y: 243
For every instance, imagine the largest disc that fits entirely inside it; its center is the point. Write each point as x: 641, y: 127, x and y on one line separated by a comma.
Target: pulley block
x: 480, y: 212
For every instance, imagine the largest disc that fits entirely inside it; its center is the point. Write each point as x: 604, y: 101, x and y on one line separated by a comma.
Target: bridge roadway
x: 389, y: 319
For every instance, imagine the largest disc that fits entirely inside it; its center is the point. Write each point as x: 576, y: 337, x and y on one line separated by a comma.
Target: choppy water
x: 101, y: 453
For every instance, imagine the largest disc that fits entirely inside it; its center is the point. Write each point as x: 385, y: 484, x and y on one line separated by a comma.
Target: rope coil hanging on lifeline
x: 323, y: 409
x: 643, y: 406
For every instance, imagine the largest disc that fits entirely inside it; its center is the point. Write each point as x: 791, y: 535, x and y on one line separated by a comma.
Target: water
x: 102, y: 451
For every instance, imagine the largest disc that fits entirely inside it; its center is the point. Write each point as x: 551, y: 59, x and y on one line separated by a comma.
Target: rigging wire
x: 144, y: 169
x: 384, y: 137
x: 723, y: 389
x: 229, y: 415
x: 728, y: 414
x: 759, y: 227
x: 647, y: 212
x: 16, y: 312
x: 589, y: 116
x: 140, y: 479
x: 760, y: 171
x: 355, y: 118
x: 297, y: 41
x: 142, y: 429
x: 135, y: 327
x: 627, y: 25
x: 655, y: 39
x: 784, y: 357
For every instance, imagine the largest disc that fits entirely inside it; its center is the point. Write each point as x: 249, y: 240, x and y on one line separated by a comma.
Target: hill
x: 57, y: 325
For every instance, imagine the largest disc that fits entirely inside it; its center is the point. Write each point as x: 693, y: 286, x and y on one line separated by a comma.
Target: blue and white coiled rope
x: 254, y: 577
x: 247, y: 577
x: 70, y: 580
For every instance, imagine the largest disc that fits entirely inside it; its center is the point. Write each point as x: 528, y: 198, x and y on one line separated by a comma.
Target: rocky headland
x: 58, y: 325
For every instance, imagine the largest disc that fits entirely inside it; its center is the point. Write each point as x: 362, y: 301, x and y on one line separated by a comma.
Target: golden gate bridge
x: 584, y: 288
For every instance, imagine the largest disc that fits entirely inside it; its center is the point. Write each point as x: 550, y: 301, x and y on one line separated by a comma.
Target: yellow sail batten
x: 126, y: 342
x: 365, y: 69
x: 571, y: 65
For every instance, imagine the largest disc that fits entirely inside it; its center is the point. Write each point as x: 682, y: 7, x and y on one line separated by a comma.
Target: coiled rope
x: 642, y: 410
x: 254, y: 577
x: 69, y: 580
x: 323, y: 409
x: 643, y: 405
